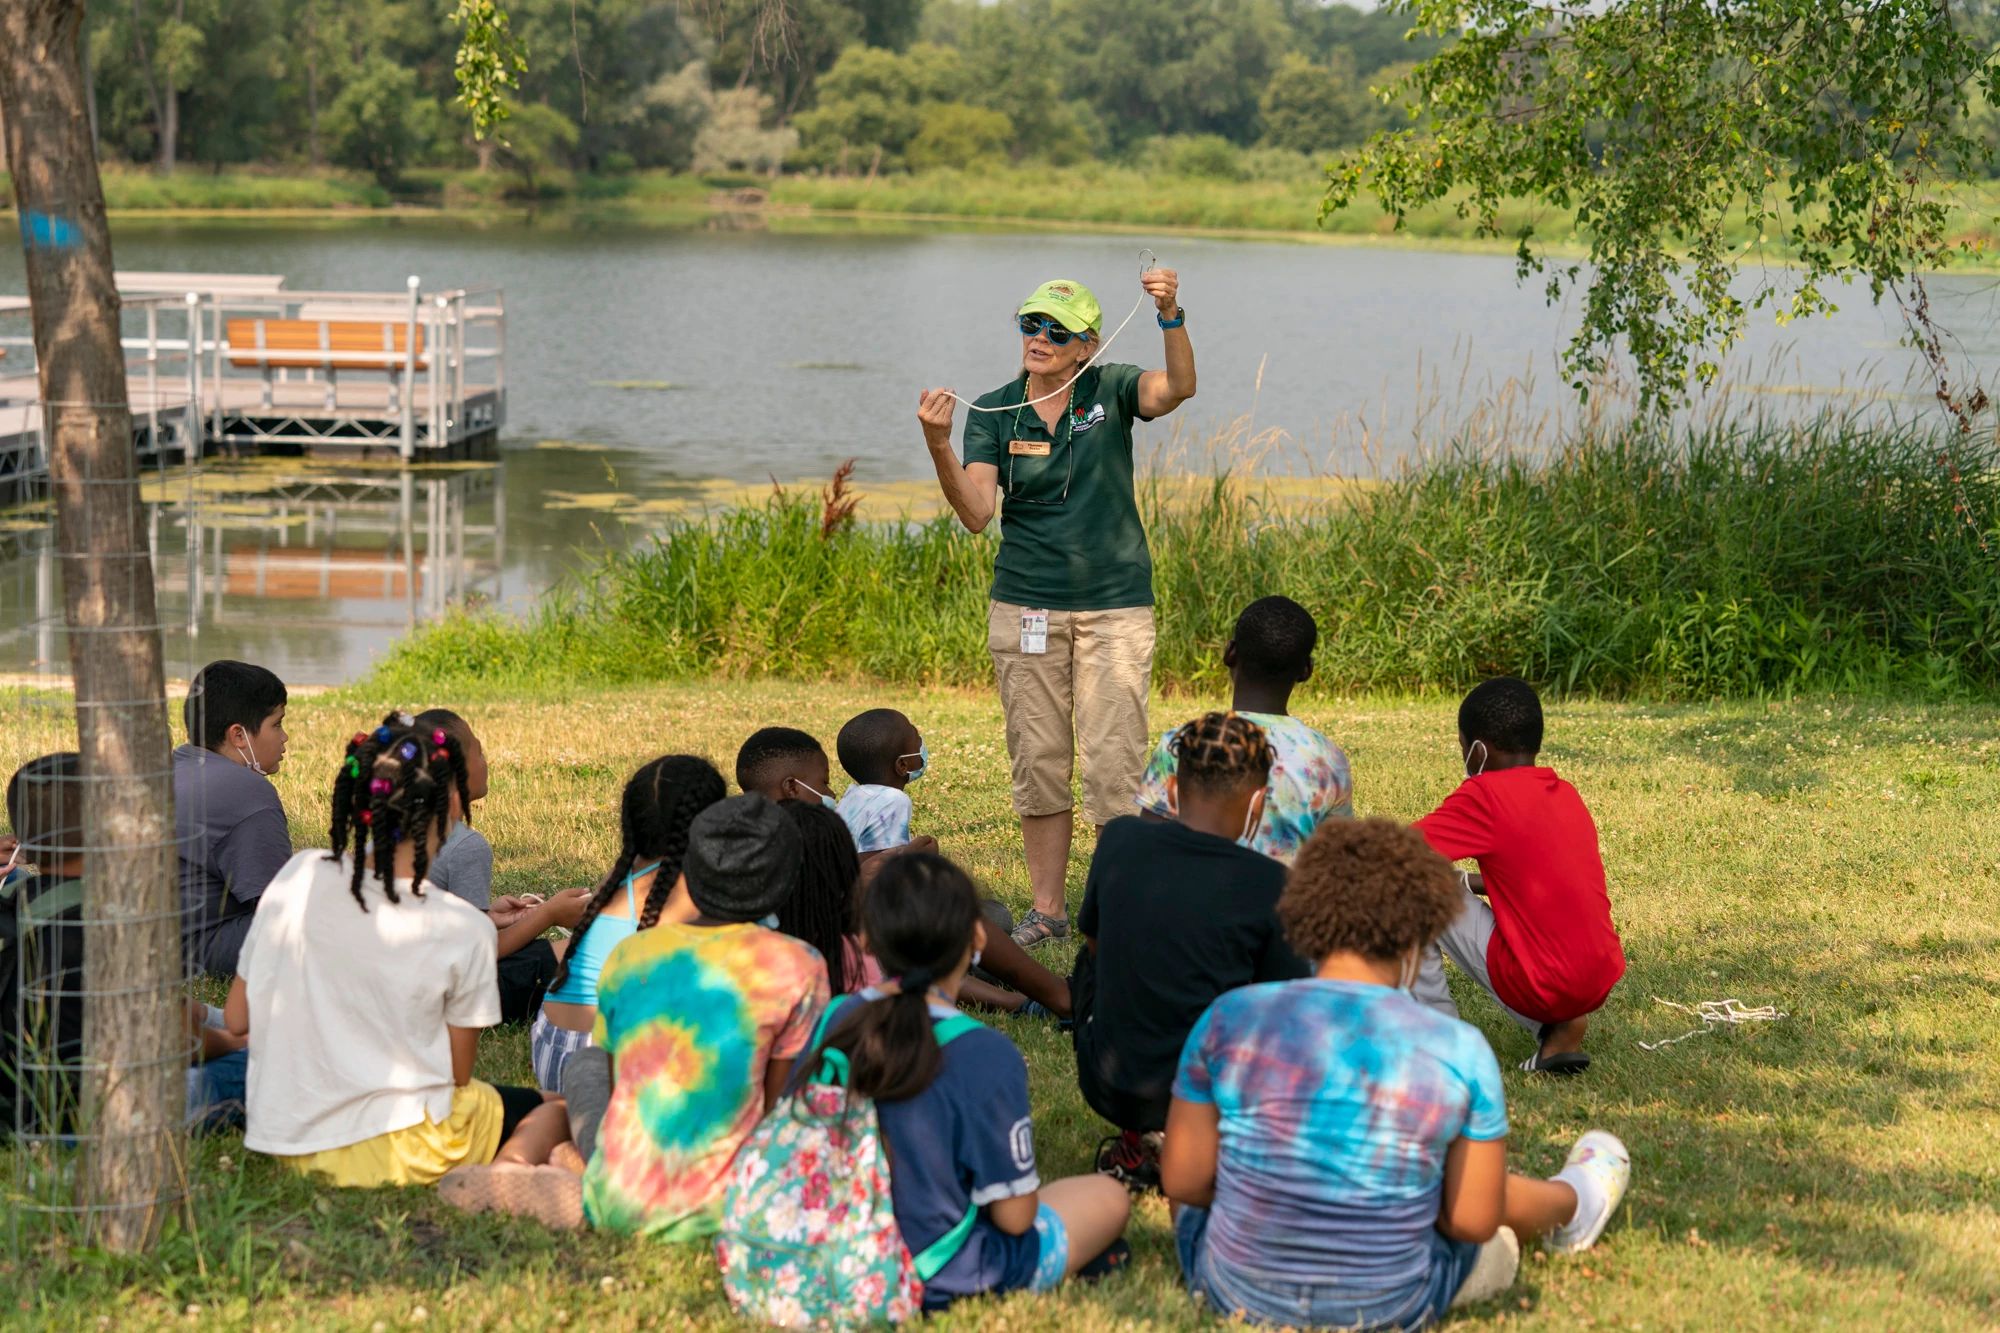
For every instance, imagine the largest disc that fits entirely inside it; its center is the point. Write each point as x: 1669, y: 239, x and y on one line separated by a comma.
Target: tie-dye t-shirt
x: 877, y: 816
x: 691, y: 1017
x: 1310, y: 783
x: 1337, y: 1102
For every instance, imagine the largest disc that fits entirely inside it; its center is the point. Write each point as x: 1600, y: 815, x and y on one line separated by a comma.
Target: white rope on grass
x: 1147, y: 262
x: 1714, y: 1014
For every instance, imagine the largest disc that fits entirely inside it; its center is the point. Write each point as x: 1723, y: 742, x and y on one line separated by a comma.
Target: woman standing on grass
x: 1070, y: 624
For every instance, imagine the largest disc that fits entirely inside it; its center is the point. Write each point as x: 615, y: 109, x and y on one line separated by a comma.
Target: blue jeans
x: 215, y: 1091
x: 1264, y: 1298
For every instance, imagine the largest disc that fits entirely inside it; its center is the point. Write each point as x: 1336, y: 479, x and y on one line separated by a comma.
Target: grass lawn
x: 1838, y: 1169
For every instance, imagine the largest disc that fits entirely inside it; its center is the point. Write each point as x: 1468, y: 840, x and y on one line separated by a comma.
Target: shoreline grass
x: 1711, y: 564
x: 1015, y: 196
x: 1833, y: 1170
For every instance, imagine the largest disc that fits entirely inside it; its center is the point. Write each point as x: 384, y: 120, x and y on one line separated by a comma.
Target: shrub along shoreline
x: 1716, y: 564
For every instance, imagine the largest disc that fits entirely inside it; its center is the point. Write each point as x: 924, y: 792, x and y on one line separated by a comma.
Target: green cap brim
x: 1058, y: 312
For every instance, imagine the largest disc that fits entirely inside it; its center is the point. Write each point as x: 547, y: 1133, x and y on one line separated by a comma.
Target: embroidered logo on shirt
x: 1081, y: 421
x: 1021, y: 1140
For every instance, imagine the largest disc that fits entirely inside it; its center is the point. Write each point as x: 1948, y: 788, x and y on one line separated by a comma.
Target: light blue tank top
x: 588, y: 951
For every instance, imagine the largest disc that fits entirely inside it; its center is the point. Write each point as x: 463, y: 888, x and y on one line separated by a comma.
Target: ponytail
x: 394, y: 783
x: 919, y: 916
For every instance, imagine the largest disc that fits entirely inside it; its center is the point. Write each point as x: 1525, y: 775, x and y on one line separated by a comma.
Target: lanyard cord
x: 1147, y: 261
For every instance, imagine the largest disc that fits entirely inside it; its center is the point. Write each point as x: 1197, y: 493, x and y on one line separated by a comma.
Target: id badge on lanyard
x: 1034, y: 632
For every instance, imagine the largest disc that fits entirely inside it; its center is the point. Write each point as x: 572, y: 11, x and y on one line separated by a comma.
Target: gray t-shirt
x: 464, y: 866
x: 233, y: 840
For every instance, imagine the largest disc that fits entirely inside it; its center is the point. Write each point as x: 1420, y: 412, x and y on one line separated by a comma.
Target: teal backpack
x: 809, y: 1236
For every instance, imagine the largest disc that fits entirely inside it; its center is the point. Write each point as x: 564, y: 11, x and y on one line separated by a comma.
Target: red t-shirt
x: 1554, y: 954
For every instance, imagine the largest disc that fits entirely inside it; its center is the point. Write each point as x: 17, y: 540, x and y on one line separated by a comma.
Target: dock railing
x: 431, y: 366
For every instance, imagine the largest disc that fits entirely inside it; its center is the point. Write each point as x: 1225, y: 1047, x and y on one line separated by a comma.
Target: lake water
x: 642, y: 359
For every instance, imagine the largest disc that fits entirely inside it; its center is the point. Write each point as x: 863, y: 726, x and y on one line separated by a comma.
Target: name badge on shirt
x: 1028, y: 448
x: 1034, y: 631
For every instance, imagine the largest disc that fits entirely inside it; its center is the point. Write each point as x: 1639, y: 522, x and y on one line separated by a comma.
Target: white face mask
x: 1251, y: 819
x: 250, y: 760
x: 1483, y: 751
x: 1407, y: 970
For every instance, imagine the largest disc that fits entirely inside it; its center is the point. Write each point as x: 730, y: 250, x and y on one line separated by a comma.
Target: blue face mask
x: 825, y: 798
x: 923, y: 758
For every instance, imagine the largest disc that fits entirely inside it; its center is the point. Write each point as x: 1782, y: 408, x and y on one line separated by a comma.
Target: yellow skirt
x: 419, y: 1154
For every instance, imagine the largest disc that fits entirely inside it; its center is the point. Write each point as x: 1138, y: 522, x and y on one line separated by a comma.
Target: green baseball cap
x: 1069, y: 302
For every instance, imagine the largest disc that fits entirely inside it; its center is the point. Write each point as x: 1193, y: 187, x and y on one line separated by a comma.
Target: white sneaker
x: 1493, y: 1272
x: 1599, y: 1168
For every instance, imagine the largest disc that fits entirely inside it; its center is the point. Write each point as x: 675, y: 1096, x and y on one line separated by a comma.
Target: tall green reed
x: 1719, y: 562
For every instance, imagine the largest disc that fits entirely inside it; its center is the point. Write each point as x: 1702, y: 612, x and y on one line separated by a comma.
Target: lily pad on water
x: 828, y: 365
x: 578, y: 446
x: 638, y: 384
x: 601, y: 501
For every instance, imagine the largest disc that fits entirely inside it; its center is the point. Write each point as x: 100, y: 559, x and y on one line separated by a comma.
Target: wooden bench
x: 328, y: 346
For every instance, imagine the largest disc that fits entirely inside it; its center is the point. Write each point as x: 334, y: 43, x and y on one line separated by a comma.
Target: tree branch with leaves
x: 1667, y: 127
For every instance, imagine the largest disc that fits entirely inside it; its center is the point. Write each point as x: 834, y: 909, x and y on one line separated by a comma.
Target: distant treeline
x: 746, y: 86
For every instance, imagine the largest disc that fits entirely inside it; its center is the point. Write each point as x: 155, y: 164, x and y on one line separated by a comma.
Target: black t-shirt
x: 1179, y: 918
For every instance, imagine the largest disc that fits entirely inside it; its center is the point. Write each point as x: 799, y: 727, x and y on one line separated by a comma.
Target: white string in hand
x: 1148, y: 261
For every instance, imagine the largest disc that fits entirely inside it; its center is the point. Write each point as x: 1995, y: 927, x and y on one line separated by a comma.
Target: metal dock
x: 234, y: 363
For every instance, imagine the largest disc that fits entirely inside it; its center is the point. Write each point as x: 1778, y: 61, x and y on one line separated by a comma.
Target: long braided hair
x: 658, y: 804
x: 394, y: 783
x: 821, y: 910
x: 1219, y: 753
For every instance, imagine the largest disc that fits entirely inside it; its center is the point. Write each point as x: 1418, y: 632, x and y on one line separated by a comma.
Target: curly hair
x: 654, y: 812
x: 1219, y: 753
x: 1506, y: 713
x: 394, y: 782
x: 1369, y: 886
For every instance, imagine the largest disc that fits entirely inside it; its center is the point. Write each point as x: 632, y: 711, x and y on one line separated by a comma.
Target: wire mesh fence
x: 102, y: 1059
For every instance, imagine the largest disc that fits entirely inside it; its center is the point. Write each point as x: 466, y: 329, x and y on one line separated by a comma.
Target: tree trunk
x: 312, y: 86
x: 170, y: 127
x: 132, y: 1080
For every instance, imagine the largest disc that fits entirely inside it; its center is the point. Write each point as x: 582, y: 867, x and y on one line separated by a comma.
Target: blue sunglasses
x: 1032, y: 326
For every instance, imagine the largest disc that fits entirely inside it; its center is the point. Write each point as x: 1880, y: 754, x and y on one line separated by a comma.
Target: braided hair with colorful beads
x: 659, y: 803
x: 1219, y: 753
x: 394, y: 784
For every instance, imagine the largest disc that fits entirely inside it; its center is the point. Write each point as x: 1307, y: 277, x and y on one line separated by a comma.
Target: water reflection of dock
x: 234, y: 363
x: 256, y: 558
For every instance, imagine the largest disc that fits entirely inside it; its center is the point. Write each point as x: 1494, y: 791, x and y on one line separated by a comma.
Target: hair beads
x: 390, y: 788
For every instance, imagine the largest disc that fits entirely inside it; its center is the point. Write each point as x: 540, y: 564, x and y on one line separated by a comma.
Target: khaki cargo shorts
x: 1087, y: 693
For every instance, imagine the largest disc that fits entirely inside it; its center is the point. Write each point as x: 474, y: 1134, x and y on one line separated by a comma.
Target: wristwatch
x: 1180, y: 318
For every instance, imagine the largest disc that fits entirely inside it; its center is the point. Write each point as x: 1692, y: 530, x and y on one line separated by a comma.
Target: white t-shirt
x: 348, y: 1009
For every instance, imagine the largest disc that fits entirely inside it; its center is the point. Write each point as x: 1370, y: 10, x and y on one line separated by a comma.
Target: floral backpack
x: 809, y: 1236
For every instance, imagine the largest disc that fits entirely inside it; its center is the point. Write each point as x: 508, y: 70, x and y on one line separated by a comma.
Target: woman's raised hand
x: 1164, y: 286
x: 934, y: 413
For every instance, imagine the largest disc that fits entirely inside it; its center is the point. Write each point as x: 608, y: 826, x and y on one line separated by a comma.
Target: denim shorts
x: 1264, y: 1298
x: 215, y: 1091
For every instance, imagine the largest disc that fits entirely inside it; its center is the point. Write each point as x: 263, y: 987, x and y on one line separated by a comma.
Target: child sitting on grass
x: 883, y: 753
x: 364, y: 989
x: 1546, y: 948
x: 464, y: 866
x: 42, y: 981
x: 701, y: 1020
x: 655, y: 811
x: 785, y: 764
x: 228, y: 820
x: 956, y: 1121
x: 1174, y: 914
x: 1338, y: 1150
x: 1270, y: 653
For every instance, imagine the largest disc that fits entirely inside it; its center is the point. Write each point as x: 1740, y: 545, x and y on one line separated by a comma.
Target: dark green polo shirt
x: 1085, y: 551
